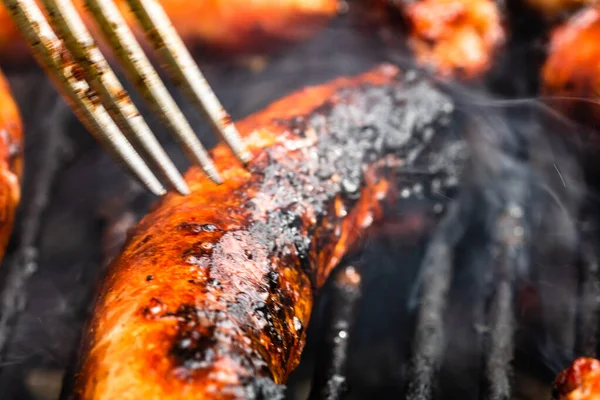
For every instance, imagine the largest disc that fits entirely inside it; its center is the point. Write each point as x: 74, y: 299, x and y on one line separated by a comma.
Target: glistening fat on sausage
x: 212, y: 294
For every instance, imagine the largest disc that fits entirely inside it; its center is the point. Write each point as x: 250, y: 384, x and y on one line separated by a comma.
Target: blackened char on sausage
x: 211, y: 297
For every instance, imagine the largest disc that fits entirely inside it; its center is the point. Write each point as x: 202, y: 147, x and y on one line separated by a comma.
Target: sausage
x: 11, y: 162
x: 212, y: 294
x: 571, y: 74
x: 226, y: 26
x: 581, y: 381
x: 453, y: 38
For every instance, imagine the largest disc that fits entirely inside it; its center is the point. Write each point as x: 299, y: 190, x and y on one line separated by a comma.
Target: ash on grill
x: 489, y: 298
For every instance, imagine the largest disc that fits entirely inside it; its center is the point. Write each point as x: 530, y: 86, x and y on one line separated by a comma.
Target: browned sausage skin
x: 457, y: 38
x: 453, y: 38
x: 581, y: 381
x: 212, y: 294
x: 571, y: 73
x: 11, y: 162
x: 225, y: 26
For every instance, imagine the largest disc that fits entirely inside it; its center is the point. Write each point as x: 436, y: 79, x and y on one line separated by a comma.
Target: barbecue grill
x: 486, y: 291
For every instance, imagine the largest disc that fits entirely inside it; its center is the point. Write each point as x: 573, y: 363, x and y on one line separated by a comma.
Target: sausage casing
x: 227, y: 26
x: 452, y: 38
x: 456, y: 38
x: 11, y: 162
x: 581, y: 381
x: 212, y: 294
x: 571, y: 73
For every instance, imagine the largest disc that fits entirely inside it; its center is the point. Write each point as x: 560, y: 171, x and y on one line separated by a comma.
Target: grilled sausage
x: 212, y: 294
x: 571, y: 73
x: 453, y: 38
x: 581, y: 381
x: 229, y: 26
x: 11, y: 162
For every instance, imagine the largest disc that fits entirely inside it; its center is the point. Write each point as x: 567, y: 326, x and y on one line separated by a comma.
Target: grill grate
x: 23, y: 263
x: 509, y: 255
x: 330, y: 378
x: 437, y: 270
x: 589, y: 283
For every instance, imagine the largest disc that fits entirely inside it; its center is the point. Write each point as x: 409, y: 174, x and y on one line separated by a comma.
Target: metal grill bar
x: 510, y: 253
x: 429, y: 337
x: 23, y: 264
x: 502, y: 347
x: 588, y: 318
x: 330, y: 380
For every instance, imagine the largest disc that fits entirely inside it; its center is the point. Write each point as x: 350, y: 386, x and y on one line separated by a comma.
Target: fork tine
x: 52, y: 55
x: 68, y: 24
x: 185, y: 72
x: 147, y: 81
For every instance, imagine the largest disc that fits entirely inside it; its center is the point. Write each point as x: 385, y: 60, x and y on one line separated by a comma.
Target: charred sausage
x: 229, y: 26
x: 211, y: 297
x: 571, y: 73
x: 453, y: 38
x: 581, y: 381
x: 11, y: 162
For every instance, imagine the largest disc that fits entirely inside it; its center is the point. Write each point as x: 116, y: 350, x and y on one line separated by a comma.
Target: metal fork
x: 64, y: 47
